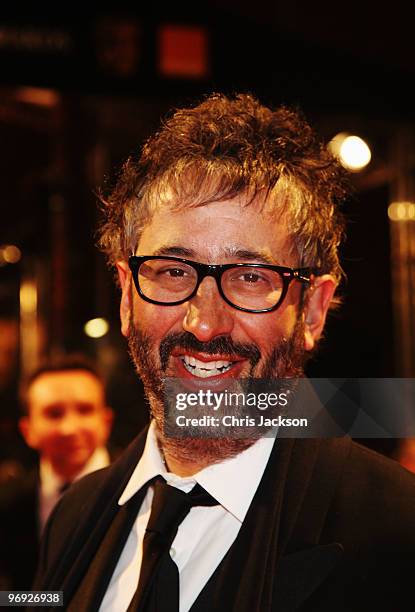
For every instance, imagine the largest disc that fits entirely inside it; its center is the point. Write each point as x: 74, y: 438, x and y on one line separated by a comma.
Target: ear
x: 26, y: 431
x: 124, y: 276
x: 319, y: 298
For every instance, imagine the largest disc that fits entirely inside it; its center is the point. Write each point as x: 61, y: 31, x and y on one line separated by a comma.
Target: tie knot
x: 171, y: 505
x: 200, y: 497
x: 168, y: 509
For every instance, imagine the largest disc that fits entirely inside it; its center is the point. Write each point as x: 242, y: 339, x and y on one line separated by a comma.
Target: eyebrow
x: 174, y: 250
x: 230, y: 253
x: 260, y: 256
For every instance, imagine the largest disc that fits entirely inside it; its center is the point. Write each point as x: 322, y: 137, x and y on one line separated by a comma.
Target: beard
x: 285, y: 360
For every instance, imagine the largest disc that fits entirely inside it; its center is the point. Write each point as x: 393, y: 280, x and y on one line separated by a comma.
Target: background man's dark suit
x: 331, y: 527
x: 19, y: 531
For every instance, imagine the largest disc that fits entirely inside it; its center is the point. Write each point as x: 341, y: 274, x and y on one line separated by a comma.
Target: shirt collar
x: 151, y: 464
x: 222, y: 480
x: 51, y: 482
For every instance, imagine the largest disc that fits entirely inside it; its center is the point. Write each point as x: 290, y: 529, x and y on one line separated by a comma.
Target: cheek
x: 46, y: 431
x: 157, y: 321
x: 92, y: 430
x: 268, y: 329
x: 48, y: 437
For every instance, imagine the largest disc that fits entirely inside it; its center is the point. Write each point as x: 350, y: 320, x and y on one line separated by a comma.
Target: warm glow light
x: 37, y: 96
x: 401, y: 211
x: 336, y: 142
x: 11, y: 254
x: 352, y: 151
x: 28, y: 297
x: 96, y: 328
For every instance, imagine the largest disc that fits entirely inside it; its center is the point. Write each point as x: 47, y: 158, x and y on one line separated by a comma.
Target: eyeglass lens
x: 248, y: 287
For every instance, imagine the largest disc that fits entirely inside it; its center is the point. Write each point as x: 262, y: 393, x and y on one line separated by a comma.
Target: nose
x: 69, y: 424
x: 207, y: 315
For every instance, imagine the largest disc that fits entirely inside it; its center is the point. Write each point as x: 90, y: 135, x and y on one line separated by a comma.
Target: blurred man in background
x: 67, y: 422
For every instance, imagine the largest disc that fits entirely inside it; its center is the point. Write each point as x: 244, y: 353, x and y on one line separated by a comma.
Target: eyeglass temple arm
x: 304, y: 274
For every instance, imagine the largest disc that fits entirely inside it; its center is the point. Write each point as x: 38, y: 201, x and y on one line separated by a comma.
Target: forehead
x: 65, y: 386
x: 219, y: 231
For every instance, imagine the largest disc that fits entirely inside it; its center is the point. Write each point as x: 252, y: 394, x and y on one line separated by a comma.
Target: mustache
x: 221, y: 344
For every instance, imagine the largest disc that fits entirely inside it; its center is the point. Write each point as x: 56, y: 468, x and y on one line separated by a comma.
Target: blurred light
x: 96, y: 328
x: 37, y: 96
x: 28, y: 297
x: 336, y: 142
x: 352, y: 151
x: 401, y: 211
x: 11, y: 254
x: 183, y: 51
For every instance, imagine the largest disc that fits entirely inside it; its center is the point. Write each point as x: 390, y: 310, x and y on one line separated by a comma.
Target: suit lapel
x: 315, y: 469
x: 305, y: 472
x: 91, y: 590
x: 304, y: 563
x: 77, y: 554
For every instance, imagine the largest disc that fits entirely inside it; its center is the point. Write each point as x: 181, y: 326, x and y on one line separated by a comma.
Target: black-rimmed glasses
x: 250, y: 287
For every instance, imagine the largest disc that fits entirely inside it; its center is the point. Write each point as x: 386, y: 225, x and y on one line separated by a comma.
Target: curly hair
x: 227, y: 147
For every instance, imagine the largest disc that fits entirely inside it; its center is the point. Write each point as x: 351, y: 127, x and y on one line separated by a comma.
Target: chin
x: 202, y: 451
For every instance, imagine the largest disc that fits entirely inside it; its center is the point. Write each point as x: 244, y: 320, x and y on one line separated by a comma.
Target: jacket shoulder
x: 386, y: 477
x: 375, y: 499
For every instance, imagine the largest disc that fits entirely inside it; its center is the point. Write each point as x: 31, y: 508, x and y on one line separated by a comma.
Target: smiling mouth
x: 203, y: 369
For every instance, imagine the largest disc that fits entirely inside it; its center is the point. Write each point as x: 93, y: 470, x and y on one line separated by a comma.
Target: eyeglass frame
x: 216, y: 271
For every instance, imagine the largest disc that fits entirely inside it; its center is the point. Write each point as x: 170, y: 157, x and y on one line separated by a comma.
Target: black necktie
x: 158, y: 586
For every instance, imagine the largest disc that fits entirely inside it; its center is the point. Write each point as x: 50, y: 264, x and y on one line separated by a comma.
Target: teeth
x: 204, y: 369
x: 205, y: 365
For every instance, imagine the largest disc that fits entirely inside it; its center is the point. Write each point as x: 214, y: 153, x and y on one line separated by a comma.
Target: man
x: 67, y: 422
x: 225, y: 236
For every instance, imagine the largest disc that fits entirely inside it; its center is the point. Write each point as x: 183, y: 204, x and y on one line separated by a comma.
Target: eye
x: 251, y: 277
x: 173, y: 272
x: 54, y: 412
x: 173, y: 275
x: 85, y: 408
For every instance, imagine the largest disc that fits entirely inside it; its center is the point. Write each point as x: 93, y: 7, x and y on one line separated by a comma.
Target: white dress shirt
x: 205, y: 535
x: 51, y: 482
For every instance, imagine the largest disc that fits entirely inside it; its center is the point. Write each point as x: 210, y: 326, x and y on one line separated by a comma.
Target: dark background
x: 349, y: 67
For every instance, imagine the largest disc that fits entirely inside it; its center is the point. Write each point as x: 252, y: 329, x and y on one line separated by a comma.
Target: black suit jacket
x: 331, y: 527
x: 19, y: 531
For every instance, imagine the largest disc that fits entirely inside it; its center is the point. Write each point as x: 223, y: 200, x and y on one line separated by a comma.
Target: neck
x: 180, y: 467
x: 66, y: 472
